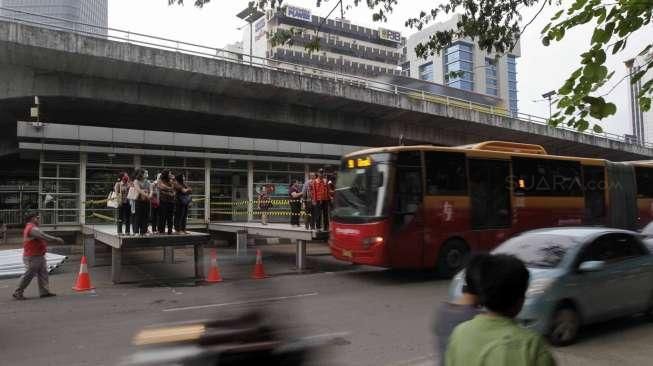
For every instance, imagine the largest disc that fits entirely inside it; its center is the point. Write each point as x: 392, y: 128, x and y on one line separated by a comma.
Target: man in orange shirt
x: 320, y: 201
x: 34, y: 248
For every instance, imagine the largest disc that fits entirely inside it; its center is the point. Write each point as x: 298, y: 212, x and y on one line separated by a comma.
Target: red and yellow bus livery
x: 429, y: 207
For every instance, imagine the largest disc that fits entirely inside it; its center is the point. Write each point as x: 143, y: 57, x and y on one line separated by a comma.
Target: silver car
x: 579, y: 276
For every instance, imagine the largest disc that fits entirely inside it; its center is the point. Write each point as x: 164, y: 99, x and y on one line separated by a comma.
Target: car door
x: 634, y: 265
x: 593, y: 290
x: 623, y: 286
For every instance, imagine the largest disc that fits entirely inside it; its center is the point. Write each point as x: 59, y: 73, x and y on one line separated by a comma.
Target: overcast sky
x: 540, y: 68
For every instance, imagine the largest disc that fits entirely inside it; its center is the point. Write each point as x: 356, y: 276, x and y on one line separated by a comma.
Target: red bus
x: 424, y: 207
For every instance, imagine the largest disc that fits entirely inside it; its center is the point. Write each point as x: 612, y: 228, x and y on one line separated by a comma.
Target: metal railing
x: 288, y: 67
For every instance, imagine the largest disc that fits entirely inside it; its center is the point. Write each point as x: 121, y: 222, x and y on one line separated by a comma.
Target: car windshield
x: 538, y: 250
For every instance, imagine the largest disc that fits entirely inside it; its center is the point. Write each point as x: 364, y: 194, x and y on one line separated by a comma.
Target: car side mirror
x: 591, y: 266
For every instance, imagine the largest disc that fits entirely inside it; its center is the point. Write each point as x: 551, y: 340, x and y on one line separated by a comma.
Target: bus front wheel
x: 453, y: 257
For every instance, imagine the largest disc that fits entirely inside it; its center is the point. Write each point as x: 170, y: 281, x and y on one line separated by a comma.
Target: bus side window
x: 644, y: 177
x: 446, y: 173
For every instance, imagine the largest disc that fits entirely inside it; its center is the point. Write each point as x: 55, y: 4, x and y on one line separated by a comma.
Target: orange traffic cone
x: 214, y: 272
x: 83, y: 279
x: 259, y: 271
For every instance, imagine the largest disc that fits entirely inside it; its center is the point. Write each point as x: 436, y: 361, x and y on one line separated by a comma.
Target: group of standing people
x: 163, y: 203
x: 314, y: 197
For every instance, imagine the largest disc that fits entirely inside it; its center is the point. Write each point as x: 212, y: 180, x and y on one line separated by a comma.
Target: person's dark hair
x: 165, y: 175
x: 180, y: 179
x: 138, y: 174
x: 29, y: 217
x: 504, y: 281
x: 473, y: 274
x: 122, y: 174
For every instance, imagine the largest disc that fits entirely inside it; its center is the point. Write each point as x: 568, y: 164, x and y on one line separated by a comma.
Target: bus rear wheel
x: 453, y: 257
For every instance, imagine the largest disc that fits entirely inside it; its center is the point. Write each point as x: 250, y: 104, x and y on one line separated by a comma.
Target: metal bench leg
x: 199, y: 260
x: 301, y: 255
x: 116, y: 264
x: 169, y: 255
x: 241, y: 243
x: 89, y: 250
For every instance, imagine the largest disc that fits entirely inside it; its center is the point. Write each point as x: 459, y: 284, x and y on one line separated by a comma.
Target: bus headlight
x: 369, y: 241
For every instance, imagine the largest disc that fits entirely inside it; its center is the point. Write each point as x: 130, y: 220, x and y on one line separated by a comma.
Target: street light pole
x: 549, y: 95
x: 250, y: 15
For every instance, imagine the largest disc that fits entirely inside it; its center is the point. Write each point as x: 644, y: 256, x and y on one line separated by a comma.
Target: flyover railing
x: 282, y: 66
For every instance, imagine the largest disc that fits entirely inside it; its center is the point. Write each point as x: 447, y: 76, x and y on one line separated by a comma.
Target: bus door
x: 489, y: 190
x: 406, y: 244
x: 594, y: 179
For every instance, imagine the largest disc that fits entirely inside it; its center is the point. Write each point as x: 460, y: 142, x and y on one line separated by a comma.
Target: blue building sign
x: 298, y: 13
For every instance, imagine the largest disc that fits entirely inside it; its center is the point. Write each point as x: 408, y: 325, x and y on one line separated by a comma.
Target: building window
x: 512, y: 84
x: 426, y: 71
x: 459, y: 58
x: 491, y: 77
x: 405, y: 69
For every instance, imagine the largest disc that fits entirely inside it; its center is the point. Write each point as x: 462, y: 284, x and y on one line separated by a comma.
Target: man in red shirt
x: 320, y: 201
x: 34, y: 247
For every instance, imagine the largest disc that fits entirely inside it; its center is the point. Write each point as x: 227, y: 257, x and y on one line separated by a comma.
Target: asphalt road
x: 376, y: 317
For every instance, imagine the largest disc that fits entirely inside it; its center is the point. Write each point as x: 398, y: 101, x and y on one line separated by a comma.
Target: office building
x: 482, y: 72
x: 344, y: 47
x: 641, y: 121
x: 71, y: 12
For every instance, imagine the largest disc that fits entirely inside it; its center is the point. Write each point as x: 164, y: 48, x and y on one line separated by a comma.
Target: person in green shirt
x: 493, y: 338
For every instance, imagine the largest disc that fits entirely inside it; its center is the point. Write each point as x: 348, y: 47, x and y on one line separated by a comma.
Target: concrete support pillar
x: 116, y: 264
x: 250, y: 191
x: 137, y: 162
x: 83, y: 158
x: 199, y: 260
x: 207, y: 190
x: 301, y: 255
x: 241, y: 243
x: 169, y: 255
x: 89, y: 249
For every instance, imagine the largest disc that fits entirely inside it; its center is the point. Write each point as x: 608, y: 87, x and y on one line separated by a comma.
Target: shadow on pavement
x: 614, y: 327
x: 394, y: 276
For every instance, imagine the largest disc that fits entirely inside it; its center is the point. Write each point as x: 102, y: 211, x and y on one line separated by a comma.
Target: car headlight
x: 538, y: 286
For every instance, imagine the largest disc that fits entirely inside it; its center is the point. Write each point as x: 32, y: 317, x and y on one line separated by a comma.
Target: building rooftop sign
x: 296, y: 12
x: 389, y: 35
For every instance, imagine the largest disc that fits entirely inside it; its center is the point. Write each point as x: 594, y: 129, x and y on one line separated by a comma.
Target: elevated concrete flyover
x: 111, y: 83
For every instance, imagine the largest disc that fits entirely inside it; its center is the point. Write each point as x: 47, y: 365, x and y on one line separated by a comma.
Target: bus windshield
x: 362, y: 193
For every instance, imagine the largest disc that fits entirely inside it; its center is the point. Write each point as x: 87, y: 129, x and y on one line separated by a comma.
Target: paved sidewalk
x: 145, y: 267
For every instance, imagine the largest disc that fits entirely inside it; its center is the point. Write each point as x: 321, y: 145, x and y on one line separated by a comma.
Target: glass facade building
x: 426, y: 71
x: 512, y: 84
x: 90, y: 12
x: 464, y: 65
x: 459, y: 58
x: 491, y: 82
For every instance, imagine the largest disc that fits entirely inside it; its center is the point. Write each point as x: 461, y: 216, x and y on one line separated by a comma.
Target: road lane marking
x: 270, y: 299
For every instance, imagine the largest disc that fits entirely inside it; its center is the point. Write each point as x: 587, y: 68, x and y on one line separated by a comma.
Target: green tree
x: 496, y: 25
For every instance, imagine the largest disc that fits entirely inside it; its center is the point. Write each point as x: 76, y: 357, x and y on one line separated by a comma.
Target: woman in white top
x: 121, y: 188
